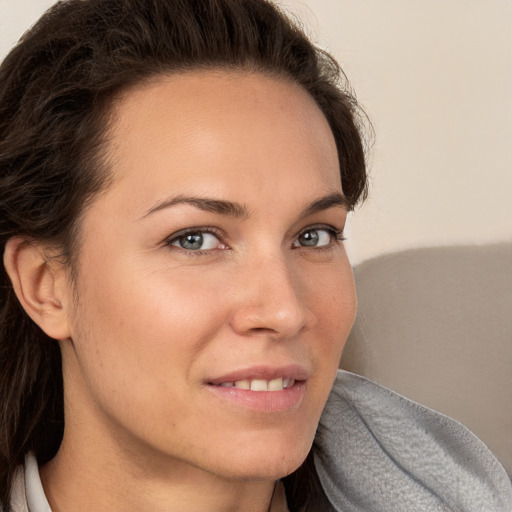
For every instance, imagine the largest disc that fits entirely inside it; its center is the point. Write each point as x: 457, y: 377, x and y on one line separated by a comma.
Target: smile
x: 260, y: 384
x: 262, y: 388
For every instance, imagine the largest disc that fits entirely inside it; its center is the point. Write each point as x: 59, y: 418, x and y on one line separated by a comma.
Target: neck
x: 75, y: 481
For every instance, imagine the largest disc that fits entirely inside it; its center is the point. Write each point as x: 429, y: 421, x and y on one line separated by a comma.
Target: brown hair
x: 56, y: 88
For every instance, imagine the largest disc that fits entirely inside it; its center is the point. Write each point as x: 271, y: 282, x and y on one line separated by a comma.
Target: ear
x: 40, y: 285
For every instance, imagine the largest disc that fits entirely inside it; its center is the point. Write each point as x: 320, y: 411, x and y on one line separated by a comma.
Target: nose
x: 270, y: 300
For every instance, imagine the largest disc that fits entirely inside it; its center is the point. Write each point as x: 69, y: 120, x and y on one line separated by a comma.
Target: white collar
x: 36, y: 499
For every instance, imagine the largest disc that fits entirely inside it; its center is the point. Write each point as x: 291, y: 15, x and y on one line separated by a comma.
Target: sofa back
x: 435, y: 324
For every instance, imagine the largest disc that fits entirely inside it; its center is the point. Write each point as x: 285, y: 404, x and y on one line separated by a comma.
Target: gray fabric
x: 381, y: 452
x: 435, y: 325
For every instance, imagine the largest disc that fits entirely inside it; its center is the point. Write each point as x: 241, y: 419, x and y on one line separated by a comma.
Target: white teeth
x: 276, y: 385
x: 243, y: 384
x: 260, y: 384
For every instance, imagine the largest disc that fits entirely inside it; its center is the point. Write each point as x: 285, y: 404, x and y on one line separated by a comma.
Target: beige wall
x: 435, y: 76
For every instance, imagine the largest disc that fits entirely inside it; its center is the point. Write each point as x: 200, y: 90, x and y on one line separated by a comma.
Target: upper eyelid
x: 325, y: 227
x: 335, y: 233
x: 202, y: 229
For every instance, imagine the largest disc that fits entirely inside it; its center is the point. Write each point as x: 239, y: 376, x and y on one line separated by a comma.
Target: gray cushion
x: 435, y: 325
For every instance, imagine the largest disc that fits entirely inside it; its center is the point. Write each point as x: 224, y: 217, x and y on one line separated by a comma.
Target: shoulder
x: 376, y: 450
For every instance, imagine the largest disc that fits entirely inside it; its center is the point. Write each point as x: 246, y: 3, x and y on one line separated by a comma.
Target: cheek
x: 140, y: 332
x: 152, y: 302
x: 334, y: 300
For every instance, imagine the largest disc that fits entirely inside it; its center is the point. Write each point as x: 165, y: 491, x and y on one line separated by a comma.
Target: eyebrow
x: 326, y: 202
x: 202, y: 203
x: 239, y: 210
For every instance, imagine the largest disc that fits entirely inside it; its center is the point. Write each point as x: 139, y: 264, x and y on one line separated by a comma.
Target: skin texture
x: 148, y: 324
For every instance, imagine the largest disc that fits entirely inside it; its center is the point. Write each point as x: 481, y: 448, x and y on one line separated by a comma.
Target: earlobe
x: 39, y: 285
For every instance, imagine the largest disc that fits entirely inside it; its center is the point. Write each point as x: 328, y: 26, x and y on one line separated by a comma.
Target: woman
x: 175, y: 180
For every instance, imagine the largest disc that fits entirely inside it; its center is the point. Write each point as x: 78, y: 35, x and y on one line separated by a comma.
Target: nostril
x: 263, y: 331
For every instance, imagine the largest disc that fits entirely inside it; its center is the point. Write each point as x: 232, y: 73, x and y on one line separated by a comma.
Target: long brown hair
x: 56, y: 88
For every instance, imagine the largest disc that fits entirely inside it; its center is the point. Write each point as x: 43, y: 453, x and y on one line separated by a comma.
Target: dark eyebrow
x: 203, y: 203
x: 233, y: 209
x: 326, y: 202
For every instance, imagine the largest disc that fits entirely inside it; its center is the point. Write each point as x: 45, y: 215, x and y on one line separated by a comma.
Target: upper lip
x: 263, y: 372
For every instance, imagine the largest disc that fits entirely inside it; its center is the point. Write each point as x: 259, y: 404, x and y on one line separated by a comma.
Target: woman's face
x: 212, y: 263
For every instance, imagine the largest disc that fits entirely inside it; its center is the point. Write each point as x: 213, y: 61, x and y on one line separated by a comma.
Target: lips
x: 262, y: 388
x: 259, y: 376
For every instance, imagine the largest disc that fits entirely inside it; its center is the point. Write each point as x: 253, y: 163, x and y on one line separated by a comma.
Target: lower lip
x: 263, y: 401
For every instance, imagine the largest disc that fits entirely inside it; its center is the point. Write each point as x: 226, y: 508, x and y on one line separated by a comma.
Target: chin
x: 268, y: 461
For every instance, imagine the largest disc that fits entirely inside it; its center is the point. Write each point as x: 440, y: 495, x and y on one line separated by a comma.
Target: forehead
x: 210, y: 128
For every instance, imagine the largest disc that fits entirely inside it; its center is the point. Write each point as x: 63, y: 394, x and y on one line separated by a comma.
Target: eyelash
x: 336, y: 238
x: 169, y: 242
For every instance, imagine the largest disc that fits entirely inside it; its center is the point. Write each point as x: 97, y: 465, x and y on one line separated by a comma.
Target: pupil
x: 192, y: 241
x: 309, y: 238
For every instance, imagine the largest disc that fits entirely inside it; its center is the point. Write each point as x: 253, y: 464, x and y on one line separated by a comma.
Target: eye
x: 316, y: 237
x: 196, y: 241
